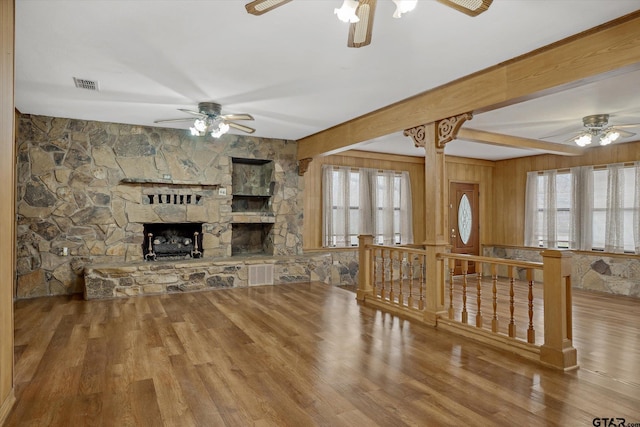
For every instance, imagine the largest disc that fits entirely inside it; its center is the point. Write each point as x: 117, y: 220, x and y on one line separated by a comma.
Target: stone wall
x: 86, y: 186
x: 616, y: 274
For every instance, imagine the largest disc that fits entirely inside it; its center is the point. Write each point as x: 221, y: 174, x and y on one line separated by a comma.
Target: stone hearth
x: 143, y: 278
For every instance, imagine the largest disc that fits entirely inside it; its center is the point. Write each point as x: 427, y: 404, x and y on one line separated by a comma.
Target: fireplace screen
x: 172, y: 241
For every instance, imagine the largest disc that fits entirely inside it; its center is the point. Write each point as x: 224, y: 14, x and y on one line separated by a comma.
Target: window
x: 586, y: 208
x: 365, y: 201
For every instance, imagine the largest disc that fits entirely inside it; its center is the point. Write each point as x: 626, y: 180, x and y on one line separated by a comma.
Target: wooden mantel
x: 595, y: 54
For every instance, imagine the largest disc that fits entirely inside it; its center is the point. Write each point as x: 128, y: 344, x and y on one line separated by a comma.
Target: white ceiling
x: 291, y: 69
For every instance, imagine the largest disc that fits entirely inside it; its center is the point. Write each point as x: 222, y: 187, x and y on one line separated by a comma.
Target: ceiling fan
x: 360, y: 13
x: 597, y: 128
x: 209, y: 119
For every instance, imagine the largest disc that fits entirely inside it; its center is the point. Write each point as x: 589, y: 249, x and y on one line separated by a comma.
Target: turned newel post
x: 364, y: 268
x: 557, y: 350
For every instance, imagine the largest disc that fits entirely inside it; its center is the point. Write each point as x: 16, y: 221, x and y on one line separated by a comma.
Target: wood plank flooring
x: 303, y: 355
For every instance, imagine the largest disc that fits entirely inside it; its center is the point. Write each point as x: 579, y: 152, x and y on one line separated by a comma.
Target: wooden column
x: 557, y: 350
x: 7, y: 205
x: 364, y: 272
x: 433, y: 137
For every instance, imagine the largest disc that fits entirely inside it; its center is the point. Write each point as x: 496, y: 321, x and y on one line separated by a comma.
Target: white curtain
x: 335, y: 208
x: 590, y: 198
x: 549, y: 231
x: 636, y: 209
x: 384, y: 204
x: 614, y: 237
x: 368, y: 201
x: 384, y: 208
x: 531, y: 210
x: 406, y: 210
x: 581, y: 232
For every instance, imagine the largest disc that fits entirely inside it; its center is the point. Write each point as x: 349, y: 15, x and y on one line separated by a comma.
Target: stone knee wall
x: 614, y: 274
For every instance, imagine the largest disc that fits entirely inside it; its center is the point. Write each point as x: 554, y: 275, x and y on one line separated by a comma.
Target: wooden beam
x: 518, y: 142
x: 606, y: 50
x: 7, y: 205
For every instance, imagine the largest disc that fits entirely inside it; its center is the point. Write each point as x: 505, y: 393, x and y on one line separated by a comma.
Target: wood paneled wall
x: 7, y: 205
x: 312, y: 233
x: 458, y: 170
x: 510, y: 177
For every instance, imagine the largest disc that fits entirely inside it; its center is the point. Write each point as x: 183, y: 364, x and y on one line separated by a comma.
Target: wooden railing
x: 534, y: 299
x: 398, y: 277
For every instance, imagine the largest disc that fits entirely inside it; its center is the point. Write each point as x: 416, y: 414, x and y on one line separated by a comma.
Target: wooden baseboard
x: 6, y: 406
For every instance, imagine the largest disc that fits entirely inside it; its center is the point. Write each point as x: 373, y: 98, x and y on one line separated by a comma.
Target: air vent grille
x: 261, y: 274
x: 86, y: 84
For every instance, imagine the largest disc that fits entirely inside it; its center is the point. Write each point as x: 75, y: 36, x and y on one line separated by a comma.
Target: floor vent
x: 261, y: 274
x: 86, y: 84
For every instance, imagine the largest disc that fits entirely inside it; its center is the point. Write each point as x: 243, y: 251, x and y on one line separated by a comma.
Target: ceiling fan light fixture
x: 347, y: 13
x: 200, y: 125
x: 609, y: 136
x: 404, y: 6
x: 583, y: 139
x: 220, y: 130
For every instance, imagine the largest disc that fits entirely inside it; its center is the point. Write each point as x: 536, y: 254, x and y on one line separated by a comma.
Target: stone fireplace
x: 89, y: 191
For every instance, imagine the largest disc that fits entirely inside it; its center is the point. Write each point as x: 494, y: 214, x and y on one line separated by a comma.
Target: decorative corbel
x: 303, y: 165
x: 445, y: 130
x: 448, y: 128
x: 418, y: 134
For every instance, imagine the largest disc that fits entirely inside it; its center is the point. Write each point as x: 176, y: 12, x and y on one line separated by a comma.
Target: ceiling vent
x: 86, y: 84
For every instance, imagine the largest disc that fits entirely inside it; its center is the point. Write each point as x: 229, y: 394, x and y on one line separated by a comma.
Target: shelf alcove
x: 253, y: 185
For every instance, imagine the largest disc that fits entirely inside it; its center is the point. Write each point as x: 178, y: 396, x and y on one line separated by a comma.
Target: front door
x: 464, y: 223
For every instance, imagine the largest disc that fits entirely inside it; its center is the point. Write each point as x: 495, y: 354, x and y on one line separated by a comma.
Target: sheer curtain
x: 368, y: 201
x: 383, y: 209
x: 636, y: 209
x: 531, y: 210
x: 335, y: 206
x: 549, y: 231
x: 581, y: 236
x: 601, y: 202
x: 384, y: 204
x: 406, y: 210
x: 614, y: 237
x: 540, y: 210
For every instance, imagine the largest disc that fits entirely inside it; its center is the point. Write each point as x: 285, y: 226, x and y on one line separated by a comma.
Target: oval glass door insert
x: 464, y: 219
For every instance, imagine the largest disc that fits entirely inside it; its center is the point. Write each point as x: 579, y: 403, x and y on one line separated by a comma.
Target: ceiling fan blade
x: 568, y: 129
x: 360, y: 32
x: 258, y: 7
x: 185, y: 119
x: 623, y: 133
x: 468, y: 7
x: 628, y: 125
x: 195, y: 113
x: 243, y: 128
x: 237, y: 116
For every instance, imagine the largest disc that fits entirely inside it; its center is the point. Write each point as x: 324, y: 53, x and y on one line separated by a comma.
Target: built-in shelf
x: 155, y: 181
x: 253, y: 218
x: 253, y: 185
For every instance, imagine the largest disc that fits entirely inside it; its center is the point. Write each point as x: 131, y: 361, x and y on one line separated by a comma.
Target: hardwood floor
x: 303, y: 355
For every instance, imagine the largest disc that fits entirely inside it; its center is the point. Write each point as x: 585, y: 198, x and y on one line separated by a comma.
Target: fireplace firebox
x: 172, y: 241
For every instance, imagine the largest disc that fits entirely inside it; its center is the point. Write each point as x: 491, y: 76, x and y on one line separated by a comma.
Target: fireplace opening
x: 251, y: 239
x: 172, y: 241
